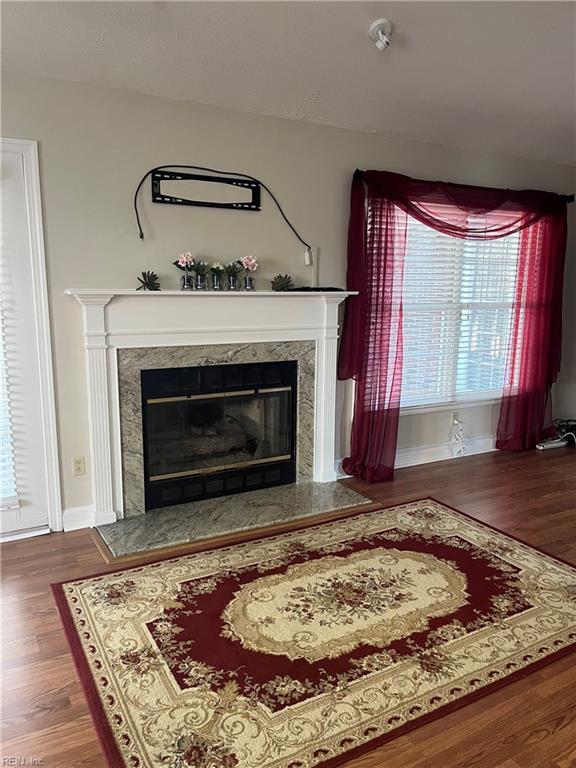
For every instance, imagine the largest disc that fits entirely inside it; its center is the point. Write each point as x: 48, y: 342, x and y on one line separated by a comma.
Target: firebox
x: 215, y: 430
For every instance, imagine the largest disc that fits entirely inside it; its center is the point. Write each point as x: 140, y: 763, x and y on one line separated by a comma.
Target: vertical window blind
x: 457, y: 300
x: 8, y: 492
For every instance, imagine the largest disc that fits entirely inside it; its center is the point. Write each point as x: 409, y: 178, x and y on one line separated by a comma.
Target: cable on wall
x: 218, y: 172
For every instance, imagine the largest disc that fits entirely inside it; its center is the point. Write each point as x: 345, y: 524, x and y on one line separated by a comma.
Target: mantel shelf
x: 85, y: 292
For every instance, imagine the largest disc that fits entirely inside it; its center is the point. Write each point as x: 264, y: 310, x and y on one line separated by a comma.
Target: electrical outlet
x: 78, y: 465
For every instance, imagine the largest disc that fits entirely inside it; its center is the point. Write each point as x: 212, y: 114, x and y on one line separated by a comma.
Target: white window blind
x: 8, y: 493
x: 458, y: 297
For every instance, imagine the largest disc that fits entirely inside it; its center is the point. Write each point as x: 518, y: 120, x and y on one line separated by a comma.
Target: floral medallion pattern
x: 328, y: 606
x: 291, y: 651
x: 343, y: 599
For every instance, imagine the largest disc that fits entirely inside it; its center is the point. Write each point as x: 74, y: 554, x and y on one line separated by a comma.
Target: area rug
x: 309, y: 648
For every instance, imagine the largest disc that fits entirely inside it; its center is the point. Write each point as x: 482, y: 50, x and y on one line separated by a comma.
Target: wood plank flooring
x: 528, y: 724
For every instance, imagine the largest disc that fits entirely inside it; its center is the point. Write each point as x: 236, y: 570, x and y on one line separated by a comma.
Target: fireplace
x: 215, y: 430
x: 128, y: 331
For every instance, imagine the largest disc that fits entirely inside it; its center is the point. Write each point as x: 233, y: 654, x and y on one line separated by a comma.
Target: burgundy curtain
x: 371, y: 348
x: 535, y: 336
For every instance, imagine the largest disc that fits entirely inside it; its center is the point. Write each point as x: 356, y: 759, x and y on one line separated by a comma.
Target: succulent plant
x: 233, y: 268
x: 201, y: 267
x: 149, y: 281
x: 282, y: 283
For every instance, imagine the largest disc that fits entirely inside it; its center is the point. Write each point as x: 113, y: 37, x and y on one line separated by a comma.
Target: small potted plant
x: 149, y: 281
x: 282, y: 283
x: 201, y: 269
x: 250, y: 265
x: 232, y: 270
x: 185, y: 262
x: 216, y: 270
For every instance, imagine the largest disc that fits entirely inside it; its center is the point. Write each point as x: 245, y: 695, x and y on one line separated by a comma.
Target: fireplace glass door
x: 214, y: 430
x: 201, y: 434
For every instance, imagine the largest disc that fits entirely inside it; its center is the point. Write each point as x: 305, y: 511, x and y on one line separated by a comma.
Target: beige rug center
x: 327, y: 607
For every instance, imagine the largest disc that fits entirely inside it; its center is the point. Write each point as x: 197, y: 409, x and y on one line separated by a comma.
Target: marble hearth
x: 126, y: 331
x: 169, y: 527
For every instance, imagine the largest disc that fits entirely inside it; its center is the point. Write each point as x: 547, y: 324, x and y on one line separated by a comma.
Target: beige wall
x: 565, y: 391
x: 96, y: 143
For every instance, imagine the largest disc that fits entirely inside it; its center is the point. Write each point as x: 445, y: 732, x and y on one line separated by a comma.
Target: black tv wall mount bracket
x: 242, y: 181
x: 158, y: 196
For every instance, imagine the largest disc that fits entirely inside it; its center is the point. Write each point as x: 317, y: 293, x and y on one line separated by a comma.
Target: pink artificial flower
x: 185, y: 260
x: 250, y: 263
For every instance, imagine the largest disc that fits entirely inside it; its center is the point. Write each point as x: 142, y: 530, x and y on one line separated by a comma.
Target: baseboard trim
x: 75, y: 518
x: 85, y: 517
x: 110, y: 517
x: 426, y: 454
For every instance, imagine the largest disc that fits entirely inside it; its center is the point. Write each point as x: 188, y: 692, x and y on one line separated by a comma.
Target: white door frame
x: 28, y: 152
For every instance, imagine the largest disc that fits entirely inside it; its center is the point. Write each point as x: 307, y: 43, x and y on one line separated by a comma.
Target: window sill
x: 455, y: 405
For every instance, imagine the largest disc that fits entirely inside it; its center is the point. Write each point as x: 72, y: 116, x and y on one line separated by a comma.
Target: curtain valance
x: 461, y: 210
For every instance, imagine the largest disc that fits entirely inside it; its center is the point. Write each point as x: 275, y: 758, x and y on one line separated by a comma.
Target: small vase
x: 201, y: 282
x: 248, y: 283
x: 232, y: 282
x: 216, y: 281
x: 187, y: 282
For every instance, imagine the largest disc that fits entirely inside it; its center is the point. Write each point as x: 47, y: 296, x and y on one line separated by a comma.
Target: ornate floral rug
x: 308, y: 648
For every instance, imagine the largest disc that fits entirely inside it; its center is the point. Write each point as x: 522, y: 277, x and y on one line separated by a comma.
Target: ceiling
x: 495, y: 76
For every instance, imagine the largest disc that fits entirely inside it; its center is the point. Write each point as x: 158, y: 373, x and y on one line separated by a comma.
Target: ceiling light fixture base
x: 381, y: 33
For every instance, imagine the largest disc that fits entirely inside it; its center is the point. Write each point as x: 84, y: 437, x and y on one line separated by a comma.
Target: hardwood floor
x: 528, y: 724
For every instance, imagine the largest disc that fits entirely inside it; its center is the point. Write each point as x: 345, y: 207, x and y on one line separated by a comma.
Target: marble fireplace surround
x: 132, y: 361
x: 126, y: 330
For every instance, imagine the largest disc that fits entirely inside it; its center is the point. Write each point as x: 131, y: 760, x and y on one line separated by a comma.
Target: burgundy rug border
x: 492, y: 528
x: 102, y: 726
x: 446, y: 709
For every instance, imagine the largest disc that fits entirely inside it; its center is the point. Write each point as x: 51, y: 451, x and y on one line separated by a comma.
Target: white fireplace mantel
x: 125, y: 318
x: 95, y: 292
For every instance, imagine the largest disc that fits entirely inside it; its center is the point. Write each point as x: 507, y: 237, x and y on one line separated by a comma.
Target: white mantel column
x: 95, y: 347
x: 326, y: 356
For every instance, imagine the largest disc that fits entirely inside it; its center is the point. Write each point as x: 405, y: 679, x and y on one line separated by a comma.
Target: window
x: 29, y: 483
x: 457, y: 297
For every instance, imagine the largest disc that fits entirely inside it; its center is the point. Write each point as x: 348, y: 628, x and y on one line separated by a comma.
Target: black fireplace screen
x: 216, y: 430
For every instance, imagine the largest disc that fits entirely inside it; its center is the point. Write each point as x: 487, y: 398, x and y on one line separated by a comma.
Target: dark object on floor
x: 566, y: 428
x: 149, y: 281
x: 565, y: 435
